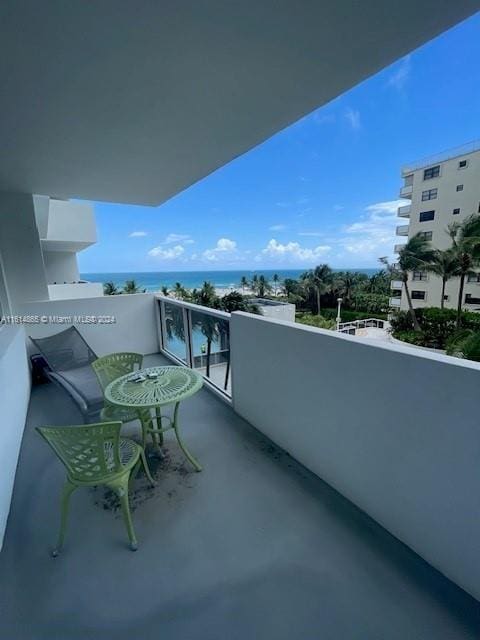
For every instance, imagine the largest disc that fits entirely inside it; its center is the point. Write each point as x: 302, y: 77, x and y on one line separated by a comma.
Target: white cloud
x: 353, y: 118
x: 386, y: 208
x: 399, y: 78
x: 278, y: 227
x: 137, y: 234
x: 282, y: 204
x: 374, y: 234
x: 171, y: 253
x: 292, y: 252
x: 224, y: 247
x: 178, y: 238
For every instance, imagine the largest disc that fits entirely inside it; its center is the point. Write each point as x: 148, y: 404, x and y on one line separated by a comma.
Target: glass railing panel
x: 211, y: 348
x: 174, y: 330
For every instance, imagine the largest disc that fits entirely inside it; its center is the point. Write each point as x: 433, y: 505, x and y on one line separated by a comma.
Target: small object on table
x: 153, y: 388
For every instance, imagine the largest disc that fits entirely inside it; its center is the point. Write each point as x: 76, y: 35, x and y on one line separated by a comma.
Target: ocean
x: 154, y: 280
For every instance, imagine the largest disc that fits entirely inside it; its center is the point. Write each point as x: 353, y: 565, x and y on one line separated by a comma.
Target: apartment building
x: 441, y: 189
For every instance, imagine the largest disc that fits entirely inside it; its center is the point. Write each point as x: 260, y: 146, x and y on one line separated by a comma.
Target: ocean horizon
x: 154, y: 280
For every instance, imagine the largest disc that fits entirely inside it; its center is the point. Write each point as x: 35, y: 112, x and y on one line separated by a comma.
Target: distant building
x: 441, y: 189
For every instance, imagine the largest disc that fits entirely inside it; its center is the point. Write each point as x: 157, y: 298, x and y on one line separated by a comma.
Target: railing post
x: 187, y: 323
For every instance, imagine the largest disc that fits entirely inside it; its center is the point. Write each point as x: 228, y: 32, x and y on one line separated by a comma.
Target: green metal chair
x: 109, y: 368
x: 96, y: 455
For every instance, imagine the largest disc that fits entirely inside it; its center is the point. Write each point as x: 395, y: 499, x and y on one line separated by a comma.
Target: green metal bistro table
x: 151, y: 389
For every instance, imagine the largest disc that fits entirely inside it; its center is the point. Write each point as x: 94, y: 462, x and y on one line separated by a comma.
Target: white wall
x: 61, y: 266
x: 22, y: 259
x: 79, y: 290
x: 393, y: 429
x: 14, y: 397
x: 73, y: 221
x: 135, y: 328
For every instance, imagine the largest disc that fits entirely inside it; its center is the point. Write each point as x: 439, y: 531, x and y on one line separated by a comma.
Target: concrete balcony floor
x: 255, y: 546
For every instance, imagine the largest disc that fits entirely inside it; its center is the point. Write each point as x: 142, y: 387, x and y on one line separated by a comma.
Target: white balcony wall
x: 71, y: 226
x: 14, y: 397
x: 134, y: 329
x: 332, y: 402
x: 61, y: 266
x: 79, y: 290
x: 395, y: 302
x: 20, y: 250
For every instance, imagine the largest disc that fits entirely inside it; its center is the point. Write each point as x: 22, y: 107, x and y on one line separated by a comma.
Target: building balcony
x: 398, y: 247
x: 258, y: 524
x: 395, y: 302
x: 402, y: 230
x: 406, y: 191
x: 396, y: 284
x: 404, y: 212
x: 63, y: 225
x: 69, y: 290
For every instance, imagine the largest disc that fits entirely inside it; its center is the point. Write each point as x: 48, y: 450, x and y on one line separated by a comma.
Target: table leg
x: 187, y: 453
x: 147, y: 423
x: 158, y: 415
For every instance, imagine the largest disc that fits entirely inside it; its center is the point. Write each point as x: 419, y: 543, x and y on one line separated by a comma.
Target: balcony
x: 396, y: 284
x: 404, y: 212
x: 398, y: 247
x: 406, y: 191
x: 258, y: 524
x: 395, y: 302
x: 64, y: 225
x: 402, y: 230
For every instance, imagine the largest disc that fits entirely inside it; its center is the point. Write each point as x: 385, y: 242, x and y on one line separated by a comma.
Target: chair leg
x: 68, y: 489
x: 146, y: 468
x: 122, y: 492
x: 188, y: 455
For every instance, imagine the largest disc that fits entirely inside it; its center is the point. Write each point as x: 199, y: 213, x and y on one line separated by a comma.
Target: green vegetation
x: 130, y: 286
x: 438, y: 328
x: 315, y: 321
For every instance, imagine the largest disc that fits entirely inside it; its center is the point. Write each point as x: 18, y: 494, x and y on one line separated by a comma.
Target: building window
x: 474, y: 277
x: 456, y: 212
x: 432, y: 172
x: 426, y: 235
x: 469, y: 299
x: 418, y: 295
x: 420, y: 275
x: 459, y: 187
x: 429, y: 194
x: 463, y: 164
x: 425, y: 216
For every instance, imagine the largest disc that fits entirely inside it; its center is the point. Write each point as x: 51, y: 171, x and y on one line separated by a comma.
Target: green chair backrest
x: 89, y: 452
x: 115, y: 365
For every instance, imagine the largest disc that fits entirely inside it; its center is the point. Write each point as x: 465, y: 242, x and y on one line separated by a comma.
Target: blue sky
x: 323, y: 190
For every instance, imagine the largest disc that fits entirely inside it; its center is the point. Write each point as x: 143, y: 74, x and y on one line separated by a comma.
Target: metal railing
x: 443, y: 156
x: 351, y: 327
x: 198, y: 337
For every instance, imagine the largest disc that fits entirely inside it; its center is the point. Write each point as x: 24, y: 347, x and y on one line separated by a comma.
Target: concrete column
x: 20, y: 250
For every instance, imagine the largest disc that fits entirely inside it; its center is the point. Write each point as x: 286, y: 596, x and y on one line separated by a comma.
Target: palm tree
x: 179, y: 291
x: 164, y: 290
x: 208, y: 325
x: 263, y: 286
x: 132, y: 287
x: 110, y: 288
x: 445, y: 266
x: 275, y: 283
x: 318, y: 280
x: 206, y: 296
x: 466, y: 248
x: 244, y: 283
x: 347, y: 282
x: 254, y: 284
x: 416, y: 255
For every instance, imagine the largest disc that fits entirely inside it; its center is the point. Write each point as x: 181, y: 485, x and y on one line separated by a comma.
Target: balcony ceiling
x: 129, y: 102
